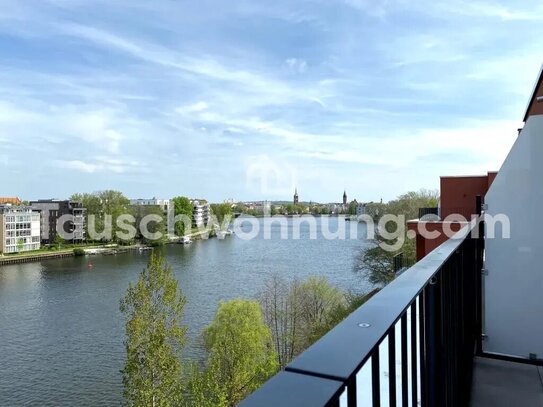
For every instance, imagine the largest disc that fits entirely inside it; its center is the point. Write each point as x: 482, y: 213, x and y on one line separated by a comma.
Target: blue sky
x: 247, y: 99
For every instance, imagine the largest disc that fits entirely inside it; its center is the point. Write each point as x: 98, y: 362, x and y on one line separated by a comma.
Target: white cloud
x: 102, y: 164
x: 78, y: 165
x: 296, y: 65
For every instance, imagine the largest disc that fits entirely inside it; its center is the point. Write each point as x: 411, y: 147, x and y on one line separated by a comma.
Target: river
x: 61, y: 332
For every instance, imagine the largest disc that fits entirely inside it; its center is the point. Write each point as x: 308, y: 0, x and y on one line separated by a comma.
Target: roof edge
x: 534, y: 91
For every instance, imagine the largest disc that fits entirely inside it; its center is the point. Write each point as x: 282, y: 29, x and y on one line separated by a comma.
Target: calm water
x: 61, y: 333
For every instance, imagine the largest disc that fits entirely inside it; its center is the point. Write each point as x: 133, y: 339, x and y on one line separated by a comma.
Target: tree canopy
x: 182, y: 206
x: 222, y: 211
x: 103, y: 203
x: 241, y: 357
x: 374, y: 261
x: 153, y: 307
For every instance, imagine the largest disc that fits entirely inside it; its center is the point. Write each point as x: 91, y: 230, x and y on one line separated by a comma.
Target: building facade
x: 200, y: 213
x: 19, y: 229
x: 164, y: 204
x: 52, y: 211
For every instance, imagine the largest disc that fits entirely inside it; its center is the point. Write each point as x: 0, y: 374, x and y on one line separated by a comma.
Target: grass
x: 64, y: 248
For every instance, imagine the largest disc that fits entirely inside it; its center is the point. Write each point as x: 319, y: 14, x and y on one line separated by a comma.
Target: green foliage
x: 298, y: 314
x: 353, y: 206
x: 20, y: 244
x: 377, y: 263
x: 103, y: 203
x: 409, y: 203
x: 298, y: 209
x: 342, y: 310
x: 155, y: 227
x: 153, y: 307
x: 318, y: 300
x: 241, y: 357
x: 59, y: 241
x: 222, y: 211
x: 183, y: 207
x: 78, y: 252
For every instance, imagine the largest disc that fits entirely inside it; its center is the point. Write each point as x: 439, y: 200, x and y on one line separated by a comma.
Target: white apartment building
x: 19, y: 229
x: 163, y: 203
x: 200, y: 213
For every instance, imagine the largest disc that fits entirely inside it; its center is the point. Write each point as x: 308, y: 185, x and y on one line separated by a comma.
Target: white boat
x: 221, y: 234
x: 186, y: 240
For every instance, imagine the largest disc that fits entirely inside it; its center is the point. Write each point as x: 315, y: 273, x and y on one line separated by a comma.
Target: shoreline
x: 103, y: 250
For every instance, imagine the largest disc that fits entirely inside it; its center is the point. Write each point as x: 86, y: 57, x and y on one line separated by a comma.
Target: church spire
x: 296, y: 196
x: 344, y: 197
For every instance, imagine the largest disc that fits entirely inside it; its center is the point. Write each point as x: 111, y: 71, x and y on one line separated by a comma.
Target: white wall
x: 514, y: 284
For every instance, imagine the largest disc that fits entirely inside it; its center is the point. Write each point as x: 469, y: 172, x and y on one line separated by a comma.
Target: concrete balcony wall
x: 513, y: 288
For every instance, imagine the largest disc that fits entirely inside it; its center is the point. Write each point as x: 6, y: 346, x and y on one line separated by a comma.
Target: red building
x: 457, y: 205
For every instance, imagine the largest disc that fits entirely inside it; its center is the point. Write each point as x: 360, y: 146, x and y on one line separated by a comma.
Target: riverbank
x: 40, y: 255
x: 103, y: 250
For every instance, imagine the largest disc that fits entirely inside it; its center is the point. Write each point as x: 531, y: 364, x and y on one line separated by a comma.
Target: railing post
x: 434, y: 369
x: 479, y: 249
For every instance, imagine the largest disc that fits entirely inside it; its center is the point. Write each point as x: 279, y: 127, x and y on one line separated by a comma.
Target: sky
x: 250, y: 99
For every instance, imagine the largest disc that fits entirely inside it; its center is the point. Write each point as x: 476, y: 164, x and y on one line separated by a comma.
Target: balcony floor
x: 498, y: 383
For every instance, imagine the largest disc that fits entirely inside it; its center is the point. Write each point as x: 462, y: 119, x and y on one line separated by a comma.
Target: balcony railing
x: 413, y: 343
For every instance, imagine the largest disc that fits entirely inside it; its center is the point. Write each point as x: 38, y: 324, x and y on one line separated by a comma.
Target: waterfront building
x: 164, y: 204
x: 200, y: 213
x: 360, y: 209
x: 19, y: 229
x: 52, y: 210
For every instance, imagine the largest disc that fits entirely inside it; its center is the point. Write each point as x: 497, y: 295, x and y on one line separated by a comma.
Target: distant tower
x: 344, y: 197
x: 296, y: 196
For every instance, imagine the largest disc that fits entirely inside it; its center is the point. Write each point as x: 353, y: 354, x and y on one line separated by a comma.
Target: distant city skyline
x: 248, y: 100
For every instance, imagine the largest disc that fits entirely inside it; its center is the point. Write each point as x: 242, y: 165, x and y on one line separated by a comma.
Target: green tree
x: 153, y: 307
x: 222, y: 211
x: 408, y: 204
x: 299, y: 313
x: 20, y: 244
x: 353, y: 206
x: 59, y: 241
x: 103, y: 203
x: 241, y: 356
x: 182, y: 207
x: 318, y: 300
x: 280, y: 305
x: 378, y: 263
x: 154, y: 227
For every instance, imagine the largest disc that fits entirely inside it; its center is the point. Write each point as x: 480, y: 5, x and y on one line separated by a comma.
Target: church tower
x: 296, y: 196
x: 344, y: 197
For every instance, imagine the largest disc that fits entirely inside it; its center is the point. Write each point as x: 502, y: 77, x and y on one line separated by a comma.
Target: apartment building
x: 162, y: 203
x: 19, y: 229
x: 52, y: 211
x: 200, y: 213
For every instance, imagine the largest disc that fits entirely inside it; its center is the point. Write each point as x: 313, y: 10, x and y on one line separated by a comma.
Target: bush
x: 79, y: 252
